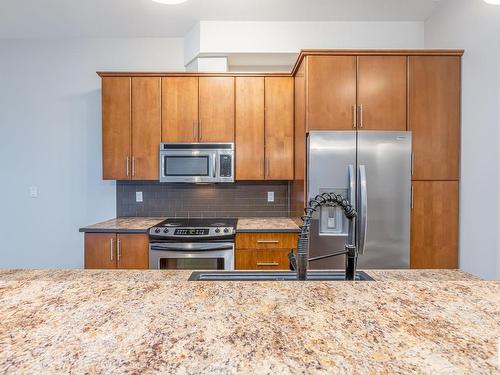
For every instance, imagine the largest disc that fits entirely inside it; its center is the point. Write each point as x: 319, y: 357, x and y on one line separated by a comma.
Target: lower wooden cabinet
x: 264, y: 251
x: 434, y: 225
x: 116, y: 250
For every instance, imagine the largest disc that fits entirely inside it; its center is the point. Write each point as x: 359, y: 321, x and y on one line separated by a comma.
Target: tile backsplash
x: 189, y: 200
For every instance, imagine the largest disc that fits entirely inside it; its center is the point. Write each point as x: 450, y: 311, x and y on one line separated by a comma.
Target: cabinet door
x: 279, y: 128
x: 434, y: 225
x: 133, y: 251
x: 116, y: 128
x: 434, y: 116
x: 216, y: 117
x: 249, y: 131
x: 259, y: 259
x: 179, y: 109
x: 382, y: 92
x: 100, y: 251
x: 146, y: 127
x: 331, y: 92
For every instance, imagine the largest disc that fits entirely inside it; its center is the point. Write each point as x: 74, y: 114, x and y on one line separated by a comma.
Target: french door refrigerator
x: 373, y: 170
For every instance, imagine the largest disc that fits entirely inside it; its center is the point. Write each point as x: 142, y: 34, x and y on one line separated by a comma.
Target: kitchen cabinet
x: 331, y: 92
x: 249, y: 130
x: 434, y: 116
x: 261, y: 251
x: 216, y: 109
x: 116, y: 250
x: 146, y: 127
x: 116, y: 123
x: 381, y: 93
x: 131, y: 127
x: 279, y: 142
x: 264, y: 128
x: 180, y: 109
x: 434, y: 228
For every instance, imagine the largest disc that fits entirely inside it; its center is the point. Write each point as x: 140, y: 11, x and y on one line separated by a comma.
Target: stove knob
x: 157, y: 230
x: 165, y: 230
x: 226, y: 230
x: 217, y: 230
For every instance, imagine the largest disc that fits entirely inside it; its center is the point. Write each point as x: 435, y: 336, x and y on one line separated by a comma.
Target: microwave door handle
x: 162, y: 166
x: 214, y: 165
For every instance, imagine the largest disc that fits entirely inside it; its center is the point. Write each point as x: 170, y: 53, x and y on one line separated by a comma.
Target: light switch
x: 331, y: 223
x: 270, y: 196
x: 33, y: 191
x: 138, y: 196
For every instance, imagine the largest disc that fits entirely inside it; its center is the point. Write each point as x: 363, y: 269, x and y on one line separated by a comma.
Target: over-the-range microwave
x: 197, y: 162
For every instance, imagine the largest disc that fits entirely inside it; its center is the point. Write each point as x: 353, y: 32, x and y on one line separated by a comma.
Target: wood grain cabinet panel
x: 249, y: 132
x: 382, y: 93
x: 180, y: 109
x: 146, y: 127
x: 216, y: 109
x: 266, y: 240
x: 434, y: 116
x: 279, y: 128
x: 100, y: 251
x: 132, y: 251
x: 434, y: 228
x: 116, y: 122
x: 331, y: 92
x: 260, y: 259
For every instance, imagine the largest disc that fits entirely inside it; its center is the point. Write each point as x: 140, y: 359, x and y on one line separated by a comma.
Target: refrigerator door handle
x: 362, y: 211
x: 352, y: 185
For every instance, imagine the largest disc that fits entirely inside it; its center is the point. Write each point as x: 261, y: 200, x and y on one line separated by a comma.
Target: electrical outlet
x: 33, y: 191
x: 138, y: 196
x: 270, y: 196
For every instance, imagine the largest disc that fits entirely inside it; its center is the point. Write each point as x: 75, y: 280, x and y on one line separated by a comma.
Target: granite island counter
x: 157, y: 321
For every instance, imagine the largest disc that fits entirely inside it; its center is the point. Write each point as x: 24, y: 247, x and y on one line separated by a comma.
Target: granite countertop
x: 156, y: 321
x: 142, y: 224
x: 124, y: 225
x: 278, y: 224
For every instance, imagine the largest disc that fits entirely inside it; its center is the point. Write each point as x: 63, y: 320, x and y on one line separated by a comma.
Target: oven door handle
x: 191, y: 246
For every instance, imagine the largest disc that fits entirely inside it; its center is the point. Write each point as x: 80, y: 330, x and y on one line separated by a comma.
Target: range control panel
x: 212, y: 232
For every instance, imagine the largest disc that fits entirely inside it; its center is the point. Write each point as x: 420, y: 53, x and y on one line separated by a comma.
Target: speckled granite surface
x: 155, y: 321
x: 124, y: 224
x: 267, y: 225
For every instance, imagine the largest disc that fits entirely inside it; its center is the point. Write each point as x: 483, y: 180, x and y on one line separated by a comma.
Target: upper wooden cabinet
x: 279, y: 128
x: 180, y: 109
x: 434, y: 116
x: 131, y: 127
x: 382, y: 93
x: 216, y: 109
x: 264, y: 128
x: 331, y: 92
x: 116, y: 121
x: 249, y: 128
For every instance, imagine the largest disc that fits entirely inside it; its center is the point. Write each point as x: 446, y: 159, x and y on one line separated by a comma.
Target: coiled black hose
x: 324, y: 199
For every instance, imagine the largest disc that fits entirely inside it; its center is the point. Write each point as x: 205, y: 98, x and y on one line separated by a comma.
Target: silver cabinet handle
x: 267, y: 241
x: 133, y: 166
x: 268, y: 264
x: 412, y: 197
x: 194, y: 130
x: 200, y: 125
x: 118, y: 250
x: 363, y: 209
x: 263, y: 167
x: 354, y: 116
x: 268, y: 167
x: 361, y: 115
x: 111, y: 249
x: 128, y: 166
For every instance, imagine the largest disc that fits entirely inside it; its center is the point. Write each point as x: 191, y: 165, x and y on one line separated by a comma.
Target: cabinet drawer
x: 259, y: 259
x: 266, y: 240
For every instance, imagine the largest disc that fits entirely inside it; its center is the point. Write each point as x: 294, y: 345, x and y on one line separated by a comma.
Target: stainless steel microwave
x: 197, y: 162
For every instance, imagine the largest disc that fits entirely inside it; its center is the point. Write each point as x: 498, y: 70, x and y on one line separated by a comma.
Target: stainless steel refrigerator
x: 372, y: 169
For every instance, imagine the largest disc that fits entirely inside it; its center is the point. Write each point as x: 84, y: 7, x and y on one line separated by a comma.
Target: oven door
x: 188, y: 166
x: 191, y: 256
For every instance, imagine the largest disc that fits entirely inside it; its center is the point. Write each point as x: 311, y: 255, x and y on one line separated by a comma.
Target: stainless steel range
x: 193, y: 244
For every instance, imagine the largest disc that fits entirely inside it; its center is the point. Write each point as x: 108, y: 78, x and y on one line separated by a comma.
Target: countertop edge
x: 270, y: 230
x: 112, y: 230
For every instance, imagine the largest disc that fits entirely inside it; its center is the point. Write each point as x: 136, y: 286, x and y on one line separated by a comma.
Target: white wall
x: 225, y: 37
x: 475, y: 26
x: 50, y: 137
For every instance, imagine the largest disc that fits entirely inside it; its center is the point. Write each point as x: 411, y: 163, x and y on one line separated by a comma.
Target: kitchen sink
x: 273, y: 276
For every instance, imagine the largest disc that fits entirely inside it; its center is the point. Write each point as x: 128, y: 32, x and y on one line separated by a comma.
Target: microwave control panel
x: 225, y: 165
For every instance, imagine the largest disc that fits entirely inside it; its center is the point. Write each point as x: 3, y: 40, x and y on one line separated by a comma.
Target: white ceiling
x: 144, y: 18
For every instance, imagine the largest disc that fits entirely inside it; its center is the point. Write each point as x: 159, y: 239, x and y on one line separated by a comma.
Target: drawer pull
x: 267, y: 241
x: 268, y: 264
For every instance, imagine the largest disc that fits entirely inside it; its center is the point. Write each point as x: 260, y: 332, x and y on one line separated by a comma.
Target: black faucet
x: 300, y: 263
